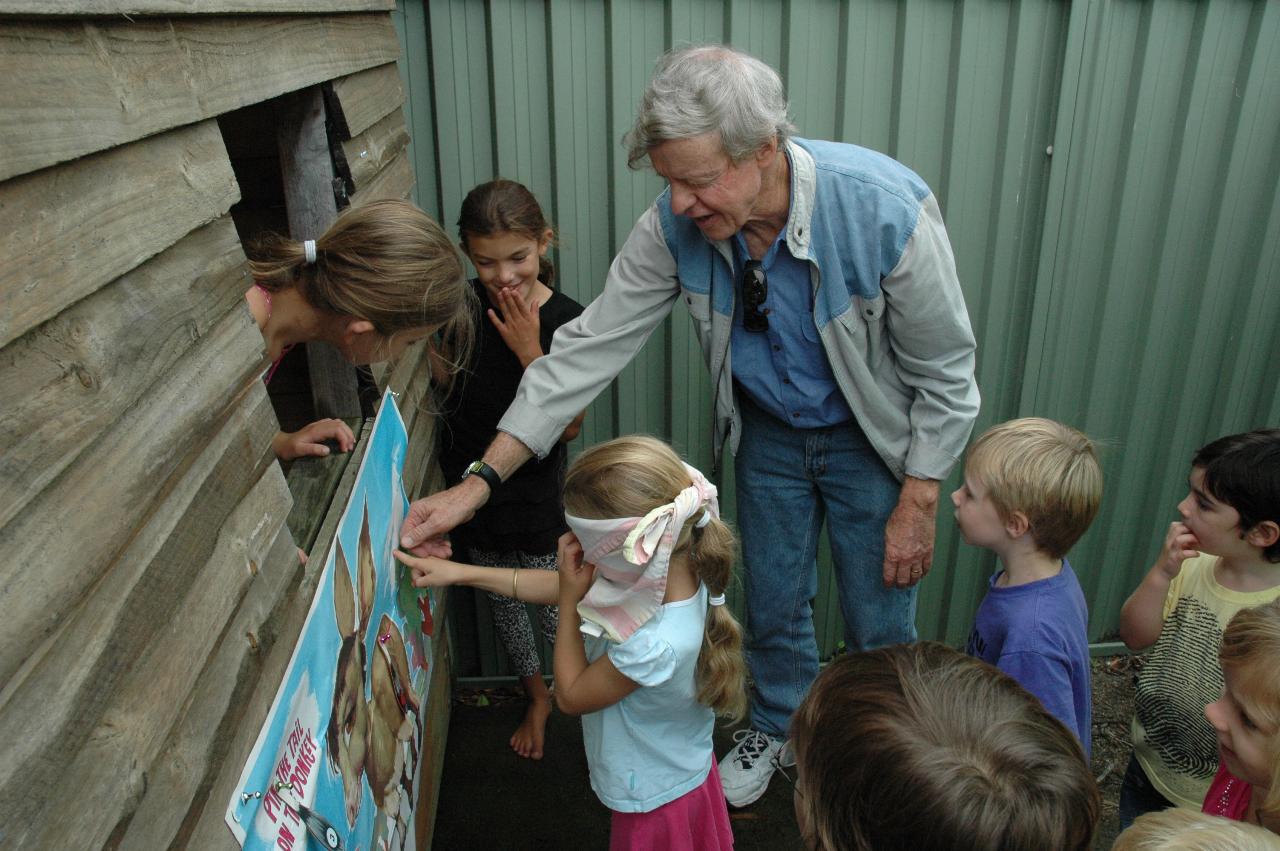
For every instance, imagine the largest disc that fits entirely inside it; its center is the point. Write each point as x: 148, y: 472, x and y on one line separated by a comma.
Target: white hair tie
x: 309, y: 248
x: 704, y: 519
x: 717, y: 600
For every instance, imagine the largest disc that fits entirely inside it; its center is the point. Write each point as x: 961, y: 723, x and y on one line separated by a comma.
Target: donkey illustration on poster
x: 374, y: 738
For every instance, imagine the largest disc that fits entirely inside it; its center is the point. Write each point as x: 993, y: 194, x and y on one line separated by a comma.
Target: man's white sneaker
x: 745, y: 770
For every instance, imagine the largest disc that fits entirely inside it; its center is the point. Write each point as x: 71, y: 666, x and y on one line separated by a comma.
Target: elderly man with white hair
x: 823, y: 290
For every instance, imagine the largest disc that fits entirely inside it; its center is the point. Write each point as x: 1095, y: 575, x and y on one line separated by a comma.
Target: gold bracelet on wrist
x: 515, y: 576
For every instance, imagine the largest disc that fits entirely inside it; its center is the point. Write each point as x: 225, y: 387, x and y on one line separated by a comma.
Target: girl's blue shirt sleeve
x: 644, y: 658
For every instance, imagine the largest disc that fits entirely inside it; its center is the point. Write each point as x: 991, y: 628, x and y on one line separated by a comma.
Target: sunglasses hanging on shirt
x: 755, y: 289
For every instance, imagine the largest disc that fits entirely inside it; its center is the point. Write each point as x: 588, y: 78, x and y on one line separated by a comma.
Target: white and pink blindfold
x: 631, y: 556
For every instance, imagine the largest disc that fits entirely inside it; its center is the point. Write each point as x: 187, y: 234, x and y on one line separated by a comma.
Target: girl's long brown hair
x: 386, y: 262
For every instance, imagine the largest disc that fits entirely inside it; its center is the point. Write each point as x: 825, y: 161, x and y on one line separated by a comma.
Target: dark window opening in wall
x: 250, y: 135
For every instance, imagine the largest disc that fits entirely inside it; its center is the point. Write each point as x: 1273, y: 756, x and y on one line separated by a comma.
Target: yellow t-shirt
x: 1173, y: 741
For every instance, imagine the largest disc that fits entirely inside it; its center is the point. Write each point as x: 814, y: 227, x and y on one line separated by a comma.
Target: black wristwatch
x: 485, y: 472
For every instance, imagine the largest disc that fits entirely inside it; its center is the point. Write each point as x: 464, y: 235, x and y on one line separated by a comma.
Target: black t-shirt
x: 527, y: 512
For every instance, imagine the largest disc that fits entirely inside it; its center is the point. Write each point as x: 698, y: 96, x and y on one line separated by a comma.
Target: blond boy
x: 1031, y: 488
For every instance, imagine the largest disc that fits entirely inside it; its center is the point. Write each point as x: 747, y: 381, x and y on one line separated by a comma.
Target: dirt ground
x: 490, y: 798
x: 1112, y: 711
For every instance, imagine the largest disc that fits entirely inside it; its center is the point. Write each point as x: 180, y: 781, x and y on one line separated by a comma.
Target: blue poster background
x: 294, y: 770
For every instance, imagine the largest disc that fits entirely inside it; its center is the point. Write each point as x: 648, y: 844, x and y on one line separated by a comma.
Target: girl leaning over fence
x: 384, y: 276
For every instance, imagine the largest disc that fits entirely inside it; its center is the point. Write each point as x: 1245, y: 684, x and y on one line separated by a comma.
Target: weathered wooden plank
x: 188, y: 7
x: 307, y: 173
x: 108, y: 774
x: 420, y: 466
x: 71, y: 89
x: 313, y: 482
x: 398, y: 375
x: 67, y: 231
x: 305, y: 167
x: 205, y: 828
x: 58, y: 548
x: 64, y: 382
x: 418, y: 406
x: 394, y: 181
x: 372, y: 150
x: 363, y: 98
x: 67, y: 8
x: 178, y: 779
x: 439, y: 702
x: 47, y: 711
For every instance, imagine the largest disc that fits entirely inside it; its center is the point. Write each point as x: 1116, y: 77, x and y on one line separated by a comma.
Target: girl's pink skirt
x: 696, y: 821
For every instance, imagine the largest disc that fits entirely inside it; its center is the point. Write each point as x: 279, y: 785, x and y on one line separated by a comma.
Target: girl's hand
x: 575, y: 574
x: 309, y: 441
x: 429, y: 572
x: 1179, y: 545
x: 518, y: 326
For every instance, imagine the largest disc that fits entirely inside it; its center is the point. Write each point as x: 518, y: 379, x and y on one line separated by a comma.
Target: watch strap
x: 484, y: 471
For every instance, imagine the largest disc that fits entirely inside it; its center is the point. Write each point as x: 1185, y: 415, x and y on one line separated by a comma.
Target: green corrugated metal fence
x: 1108, y: 171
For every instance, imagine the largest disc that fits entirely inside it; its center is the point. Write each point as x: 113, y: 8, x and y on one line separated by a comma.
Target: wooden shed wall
x: 150, y: 583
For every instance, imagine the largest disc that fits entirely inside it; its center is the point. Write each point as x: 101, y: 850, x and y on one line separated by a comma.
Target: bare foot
x: 528, y: 738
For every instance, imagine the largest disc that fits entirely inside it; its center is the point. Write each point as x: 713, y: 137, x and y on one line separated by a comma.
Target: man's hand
x: 908, y: 536
x: 430, y: 519
x: 518, y: 326
x: 309, y: 440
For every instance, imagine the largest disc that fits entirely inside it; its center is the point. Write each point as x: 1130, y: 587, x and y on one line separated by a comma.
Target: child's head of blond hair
x: 1250, y: 705
x: 1045, y: 470
x: 1178, y: 829
x: 630, y: 476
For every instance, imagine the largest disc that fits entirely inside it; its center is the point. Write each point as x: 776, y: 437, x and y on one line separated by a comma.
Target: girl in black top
x: 506, y: 237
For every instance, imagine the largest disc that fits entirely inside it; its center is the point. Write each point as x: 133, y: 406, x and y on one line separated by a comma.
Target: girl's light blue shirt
x: 654, y: 745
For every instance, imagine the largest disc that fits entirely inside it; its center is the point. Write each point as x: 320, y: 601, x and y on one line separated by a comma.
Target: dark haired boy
x: 1222, y: 556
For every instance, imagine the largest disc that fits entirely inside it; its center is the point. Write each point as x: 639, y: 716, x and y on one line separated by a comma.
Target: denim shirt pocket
x: 809, y: 328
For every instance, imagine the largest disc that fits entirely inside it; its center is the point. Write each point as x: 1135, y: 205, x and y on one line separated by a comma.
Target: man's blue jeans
x: 788, y: 481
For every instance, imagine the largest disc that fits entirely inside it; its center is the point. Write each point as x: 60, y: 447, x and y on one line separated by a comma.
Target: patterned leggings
x: 510, y: 616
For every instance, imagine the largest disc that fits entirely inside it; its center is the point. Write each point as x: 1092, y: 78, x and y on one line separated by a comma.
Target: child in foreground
x: 506, y: 236
x: 1247, y: 720
x: 1221, y: 557
x: 1182, y: 830
x: 1031, y: 488
x: 918, y: 746
x: 643, y: 576
x: 382, y: 277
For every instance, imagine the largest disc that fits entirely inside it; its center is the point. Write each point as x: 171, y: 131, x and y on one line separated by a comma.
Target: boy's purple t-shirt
x: 1037, y: 633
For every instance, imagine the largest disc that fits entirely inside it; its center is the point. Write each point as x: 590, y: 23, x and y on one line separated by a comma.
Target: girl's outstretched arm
x: 529, y: 586
x: 581, y: 687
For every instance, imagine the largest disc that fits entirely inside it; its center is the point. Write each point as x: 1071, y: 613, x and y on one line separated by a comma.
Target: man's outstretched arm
x: 435, y: 516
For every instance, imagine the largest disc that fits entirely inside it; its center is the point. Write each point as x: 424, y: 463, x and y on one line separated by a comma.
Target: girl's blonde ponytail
x: 721, y: 670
